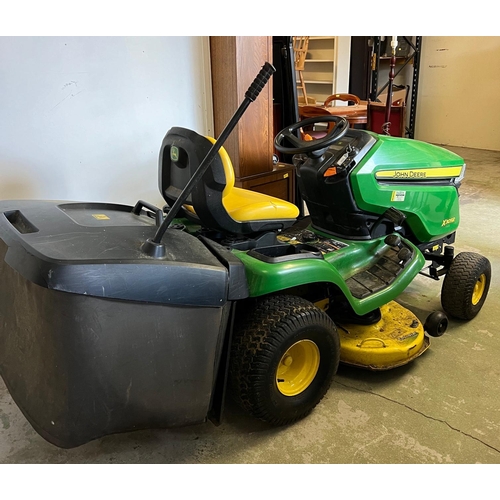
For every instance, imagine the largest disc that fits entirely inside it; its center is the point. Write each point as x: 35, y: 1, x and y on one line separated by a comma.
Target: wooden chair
x: 309, y: 112
x: 311, y: 101
x: 356, y: 114
x: 342, y: 97
x: 300, y: 46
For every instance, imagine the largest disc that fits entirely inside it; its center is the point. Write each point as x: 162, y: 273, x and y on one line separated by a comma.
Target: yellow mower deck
x: 395, y: 340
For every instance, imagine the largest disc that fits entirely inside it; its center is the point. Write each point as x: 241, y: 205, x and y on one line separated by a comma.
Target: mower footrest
x: 377, y: 277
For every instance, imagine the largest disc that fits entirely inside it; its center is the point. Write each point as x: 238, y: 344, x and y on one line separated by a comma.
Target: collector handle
x: 260, y: 81
x: 144, y: 204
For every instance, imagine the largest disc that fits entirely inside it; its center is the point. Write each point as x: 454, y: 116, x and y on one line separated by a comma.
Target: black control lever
x: 153, y: 246
x: 393, y: 240
x: 392, y: 215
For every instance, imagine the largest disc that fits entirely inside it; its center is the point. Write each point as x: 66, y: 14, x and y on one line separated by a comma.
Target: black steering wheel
x: 317, y: 145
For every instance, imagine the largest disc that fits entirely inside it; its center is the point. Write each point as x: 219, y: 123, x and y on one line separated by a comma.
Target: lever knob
x: 393, y: 240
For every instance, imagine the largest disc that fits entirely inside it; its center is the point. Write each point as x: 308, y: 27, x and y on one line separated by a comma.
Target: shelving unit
x: 406, y: 73
x: 320, y: 67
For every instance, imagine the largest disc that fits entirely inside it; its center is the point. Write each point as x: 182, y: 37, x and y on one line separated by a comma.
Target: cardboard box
x: 397, y: 94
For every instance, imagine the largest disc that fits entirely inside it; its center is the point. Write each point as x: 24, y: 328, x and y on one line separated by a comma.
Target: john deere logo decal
x: 174, y: 153
x: 420, y: 173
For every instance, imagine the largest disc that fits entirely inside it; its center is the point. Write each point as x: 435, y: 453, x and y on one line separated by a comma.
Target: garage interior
x: 83, y: 119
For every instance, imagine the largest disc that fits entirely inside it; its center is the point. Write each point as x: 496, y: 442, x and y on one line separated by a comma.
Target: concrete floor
x: 444, y: 408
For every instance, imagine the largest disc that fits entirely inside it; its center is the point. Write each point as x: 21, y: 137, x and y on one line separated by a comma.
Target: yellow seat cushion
x: 244, y: 205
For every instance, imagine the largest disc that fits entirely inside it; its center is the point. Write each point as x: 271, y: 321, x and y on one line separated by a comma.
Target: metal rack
x: 413, y: 57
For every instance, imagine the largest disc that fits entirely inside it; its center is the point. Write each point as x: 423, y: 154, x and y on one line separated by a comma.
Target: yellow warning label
x: 398, y: 196
x: 100, y: 216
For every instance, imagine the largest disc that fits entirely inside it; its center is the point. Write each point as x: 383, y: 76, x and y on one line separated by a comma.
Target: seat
x: 215, y: 202
x: 300, y: 46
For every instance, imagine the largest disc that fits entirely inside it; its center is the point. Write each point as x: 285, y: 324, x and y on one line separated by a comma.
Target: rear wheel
x: 284, y: 354
x: 466, y: 285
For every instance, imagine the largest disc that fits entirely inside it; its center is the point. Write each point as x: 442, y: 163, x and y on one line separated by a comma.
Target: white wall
x: 82, y: 118
x: 458, y: 99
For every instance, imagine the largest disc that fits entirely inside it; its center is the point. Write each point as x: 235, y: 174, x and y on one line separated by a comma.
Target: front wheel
x: 466, y: 285
x: 436, y: 324
x: 284, y: 354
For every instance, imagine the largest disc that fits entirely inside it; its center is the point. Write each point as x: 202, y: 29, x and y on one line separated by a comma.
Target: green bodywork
x: 424, y: 191
x: 430, y: 205
x: 429, y: 201
x: 264, y: 278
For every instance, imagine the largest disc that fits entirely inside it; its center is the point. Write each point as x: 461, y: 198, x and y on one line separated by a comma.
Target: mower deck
x: 395, y: 340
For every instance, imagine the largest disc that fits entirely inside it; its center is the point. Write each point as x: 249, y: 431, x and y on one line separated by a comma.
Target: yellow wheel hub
x: 297, y: 368
x: 479, y: 289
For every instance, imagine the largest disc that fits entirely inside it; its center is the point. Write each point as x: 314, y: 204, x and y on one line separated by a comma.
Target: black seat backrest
x: 181, y: 153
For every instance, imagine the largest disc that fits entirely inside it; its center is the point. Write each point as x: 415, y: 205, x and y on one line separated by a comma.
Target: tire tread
x: 258, y: 334
x: 459, y: 282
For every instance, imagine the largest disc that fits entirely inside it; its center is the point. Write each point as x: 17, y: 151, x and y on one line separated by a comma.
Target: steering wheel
x: 302, y: 146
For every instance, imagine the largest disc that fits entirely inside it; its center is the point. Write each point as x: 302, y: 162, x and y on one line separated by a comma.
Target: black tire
x: 436, y: 324
x: 466, y: 285
x: 267, y: 329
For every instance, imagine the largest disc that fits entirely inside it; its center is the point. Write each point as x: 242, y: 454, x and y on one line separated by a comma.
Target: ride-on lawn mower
x: 115, y: 317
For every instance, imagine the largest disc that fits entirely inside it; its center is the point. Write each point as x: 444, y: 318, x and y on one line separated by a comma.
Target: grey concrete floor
x: 443, y: 408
